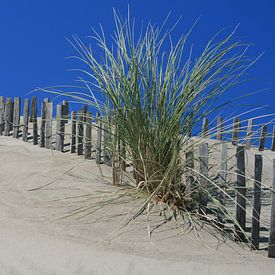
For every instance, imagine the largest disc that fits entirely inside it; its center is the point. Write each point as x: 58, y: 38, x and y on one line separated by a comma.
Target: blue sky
x: 33, y: 47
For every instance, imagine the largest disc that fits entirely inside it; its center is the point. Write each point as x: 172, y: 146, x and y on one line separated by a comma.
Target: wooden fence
x: 81, y: 143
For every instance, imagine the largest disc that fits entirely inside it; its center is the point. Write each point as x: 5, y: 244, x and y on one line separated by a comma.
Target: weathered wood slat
x: 240, y: 194
x: 80, y: 132
x: 98, y: 139
x: 2, y: 113
x: 73, y: 132
x: 16, y: 117
x: 34, y: 120
x: 273, y: 139
x: 189, y: 157
x: 59, y: 137
x: 43, y: 123
x: 88, y: 136
x: 205, y: 123
x: 271, y: 243
x: 8, y: 116
x: 106, y: 139
x: 236, y: 130
x: 219, y: 128
x: 249, y: 133
x: 65, y: 111
x: 263, y: 138
x: 203, y: 169
x: 255, y: 229
x: 48, y: 125
x: 26, y: 120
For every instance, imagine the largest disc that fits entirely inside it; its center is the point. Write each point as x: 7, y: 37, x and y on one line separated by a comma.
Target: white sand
x: 34, y: 240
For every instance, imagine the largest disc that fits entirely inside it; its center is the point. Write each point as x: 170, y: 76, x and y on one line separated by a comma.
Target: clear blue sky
x: 33, y: 47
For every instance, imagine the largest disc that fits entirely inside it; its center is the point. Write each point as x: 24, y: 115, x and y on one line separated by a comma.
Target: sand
x: 48, y: 225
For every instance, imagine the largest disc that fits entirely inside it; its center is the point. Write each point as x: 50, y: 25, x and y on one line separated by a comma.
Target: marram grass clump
x: 153, y: 93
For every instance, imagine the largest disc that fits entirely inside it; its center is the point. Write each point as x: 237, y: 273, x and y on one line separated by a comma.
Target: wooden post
x: 255, y: 229
x: 73, y: 133
x: 8, y: 116
x: 59, y: 137
x: 65, y: 112
x: 98, y: 139
x: 263, y: 137
x: 236, y: 130
x: 123, y: 155
x: 16, y: 117
x: 34, y: 120
x: 249, y: 133
x: 80, y: 132
x: 88, y: 136
x: 240, y: 194
x: 48, y: 125
x: 189, y: 156
x: 204, y: 133
x: 219, y: 128
x: 203, y: 169
x: 223, y: 170
x: 43, y: 123
x: 26, y: 120
x: 106, y: 140
x: 2, y: 112
x: 271, y: 243
x: 273, y: 139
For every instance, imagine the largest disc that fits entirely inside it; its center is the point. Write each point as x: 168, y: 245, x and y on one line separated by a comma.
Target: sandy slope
x: 36, y: 238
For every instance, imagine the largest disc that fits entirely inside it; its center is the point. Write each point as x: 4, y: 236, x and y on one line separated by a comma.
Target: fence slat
x: 2, y: 113
x: 26, y: 120
x: 189, y: 156
x: 16, y: 117
x: 34, y: 120
x: 249, y: 133
x: 98, y: 139
x: 240, y: 193
x: 255, y: 228
x: 106, y: 139
x: 73, y: 132
x: 271, y: 242
x: 219, y: 128
x: 8, y: 116
x: 88, y: 136
x: 80, y: 132
x: 48, y: 125
x: 273, y: 139
x: 203, y: 169
x: 43, y: 123
x: 263, y: 137
x: 236, y: 130
x: 205, y: 123
x: 59, y: 137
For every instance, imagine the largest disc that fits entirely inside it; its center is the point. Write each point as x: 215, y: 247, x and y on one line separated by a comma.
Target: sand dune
x: 41, y: 189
